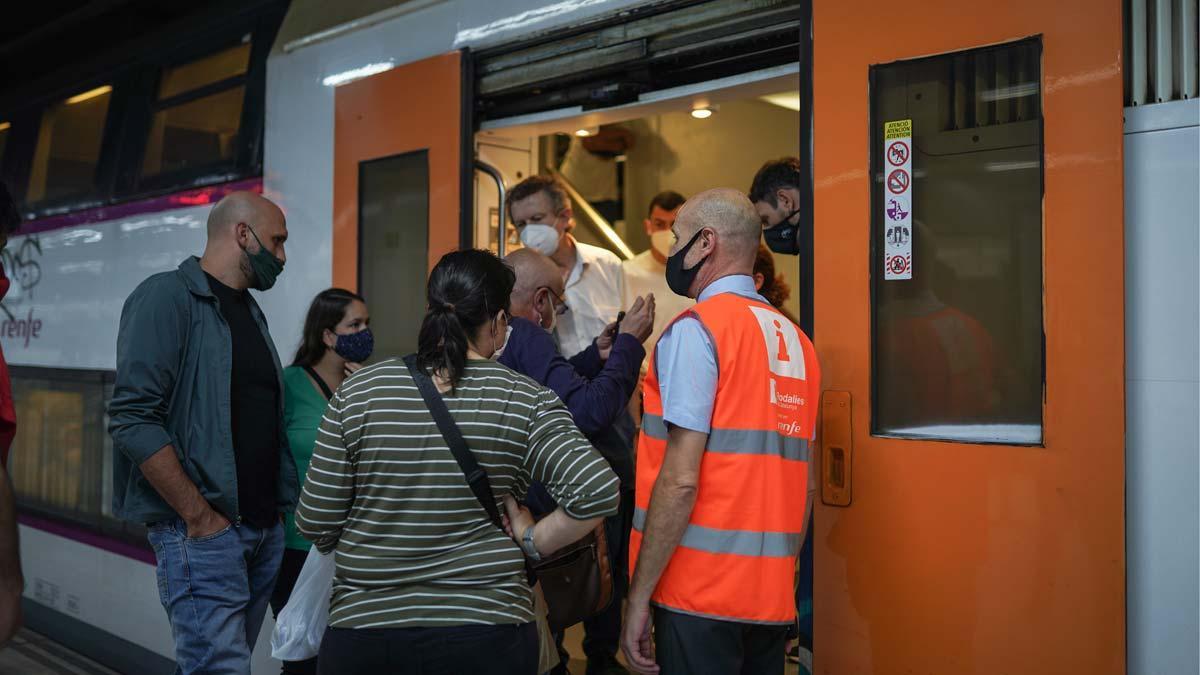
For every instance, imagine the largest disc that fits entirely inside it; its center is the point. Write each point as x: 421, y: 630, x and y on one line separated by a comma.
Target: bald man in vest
x: 722, y: 463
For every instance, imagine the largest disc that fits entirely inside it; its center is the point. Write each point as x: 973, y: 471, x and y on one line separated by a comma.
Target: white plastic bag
x: 301, y: 624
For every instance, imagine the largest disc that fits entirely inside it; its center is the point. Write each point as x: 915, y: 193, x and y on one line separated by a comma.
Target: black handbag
x: 577, y: 580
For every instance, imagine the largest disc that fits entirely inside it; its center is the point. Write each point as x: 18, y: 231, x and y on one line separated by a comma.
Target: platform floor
x: 32, y: 653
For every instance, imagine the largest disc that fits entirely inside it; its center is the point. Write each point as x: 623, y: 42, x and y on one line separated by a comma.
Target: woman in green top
x: 336, y: 341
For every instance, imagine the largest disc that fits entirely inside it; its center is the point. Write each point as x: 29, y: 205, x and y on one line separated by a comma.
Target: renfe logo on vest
x: 785, y: 358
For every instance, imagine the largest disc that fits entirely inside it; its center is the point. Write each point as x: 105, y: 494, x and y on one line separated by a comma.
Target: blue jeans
x: 215, y: 590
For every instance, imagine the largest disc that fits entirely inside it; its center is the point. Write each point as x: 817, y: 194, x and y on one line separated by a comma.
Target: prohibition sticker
x: 898, y: 264
x: 897, y: 226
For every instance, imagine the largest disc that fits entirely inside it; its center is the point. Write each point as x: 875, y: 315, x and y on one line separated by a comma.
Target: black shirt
x: 254, y: 395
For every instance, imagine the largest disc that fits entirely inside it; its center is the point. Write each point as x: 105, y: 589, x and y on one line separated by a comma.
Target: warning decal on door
x: 897, y: 200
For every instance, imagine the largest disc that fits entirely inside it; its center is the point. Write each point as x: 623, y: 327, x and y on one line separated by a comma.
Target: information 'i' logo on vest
x: 782, y: 340
x: 783, y: 350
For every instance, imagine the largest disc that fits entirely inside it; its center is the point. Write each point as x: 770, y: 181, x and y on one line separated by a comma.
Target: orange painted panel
x: 958, y: 559
x: 411, y: 107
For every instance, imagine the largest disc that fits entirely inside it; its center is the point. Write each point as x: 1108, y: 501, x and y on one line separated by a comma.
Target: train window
x: 193, y: 75
x: 956, y: 156
x: 393, y: 240
x: 198, y: 113
x: 68, y: 146
x: 199, y: 133
x: 57, y: 460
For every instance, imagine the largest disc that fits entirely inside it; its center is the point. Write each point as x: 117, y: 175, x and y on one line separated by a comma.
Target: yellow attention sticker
x: 897, y: 129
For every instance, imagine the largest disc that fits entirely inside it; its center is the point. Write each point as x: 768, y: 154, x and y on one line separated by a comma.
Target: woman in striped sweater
x: 425, y: 581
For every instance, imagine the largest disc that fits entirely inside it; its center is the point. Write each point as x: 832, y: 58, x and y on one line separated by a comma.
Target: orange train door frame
x: 424, y: 105
x: 952, y: 558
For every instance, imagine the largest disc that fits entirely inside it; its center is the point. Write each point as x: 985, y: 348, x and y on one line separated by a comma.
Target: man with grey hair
x: 197, y: 427
x: 722, y: 463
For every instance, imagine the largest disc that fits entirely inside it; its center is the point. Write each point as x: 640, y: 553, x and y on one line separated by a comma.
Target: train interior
x: 615, y: 161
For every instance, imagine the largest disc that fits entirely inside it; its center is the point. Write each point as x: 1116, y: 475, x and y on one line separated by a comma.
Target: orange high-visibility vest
x: 737, y: 559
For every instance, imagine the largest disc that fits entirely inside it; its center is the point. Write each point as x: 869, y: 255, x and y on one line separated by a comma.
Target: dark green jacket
x: 174, y: 365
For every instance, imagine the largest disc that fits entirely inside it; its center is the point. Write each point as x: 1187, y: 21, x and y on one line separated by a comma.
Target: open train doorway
x: 618, y: 165
x: 615, y: 162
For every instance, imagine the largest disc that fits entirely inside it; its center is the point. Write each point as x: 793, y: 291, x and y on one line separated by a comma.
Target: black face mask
x: 678, y: 279
x: 781, y: 238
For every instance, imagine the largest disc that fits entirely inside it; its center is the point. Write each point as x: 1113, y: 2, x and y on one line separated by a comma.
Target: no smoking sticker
x: 897, y: 200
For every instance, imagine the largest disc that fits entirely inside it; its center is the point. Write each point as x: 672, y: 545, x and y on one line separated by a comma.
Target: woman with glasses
x: 595, y: 385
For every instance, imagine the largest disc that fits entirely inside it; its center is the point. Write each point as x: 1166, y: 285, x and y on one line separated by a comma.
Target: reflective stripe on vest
x: 738, y: 441
x: 737, y: 542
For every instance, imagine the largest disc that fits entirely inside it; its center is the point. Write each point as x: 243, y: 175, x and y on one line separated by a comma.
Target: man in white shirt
x: 646, y: 273
x: 541, y: 212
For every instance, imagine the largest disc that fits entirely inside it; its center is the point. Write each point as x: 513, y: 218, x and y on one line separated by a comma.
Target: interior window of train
x: 956, y: 271
x: 197, y: 113
x: 67, y: 152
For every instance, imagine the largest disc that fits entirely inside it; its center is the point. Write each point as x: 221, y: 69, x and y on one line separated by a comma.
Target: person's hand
x: 352, y: 368
x: 635, y: 639
x: 516, y: 518
x: 639, y: 320
x: 604, y: 341
x: 10, y: 608
x: 210, y: 521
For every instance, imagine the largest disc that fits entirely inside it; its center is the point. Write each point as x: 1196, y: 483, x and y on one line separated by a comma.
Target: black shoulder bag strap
x: 320, y: 382
x: 476, y: 477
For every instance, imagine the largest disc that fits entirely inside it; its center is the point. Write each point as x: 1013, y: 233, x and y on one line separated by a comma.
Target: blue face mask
x: 355, y: 347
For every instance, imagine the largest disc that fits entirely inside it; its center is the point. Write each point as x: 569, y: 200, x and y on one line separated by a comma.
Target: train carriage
x: 1008, y: 445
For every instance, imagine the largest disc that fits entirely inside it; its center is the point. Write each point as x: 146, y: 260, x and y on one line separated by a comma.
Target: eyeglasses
x: 561, y: 308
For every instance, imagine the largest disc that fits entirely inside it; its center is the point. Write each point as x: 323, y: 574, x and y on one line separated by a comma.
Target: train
x: 1041, y: 517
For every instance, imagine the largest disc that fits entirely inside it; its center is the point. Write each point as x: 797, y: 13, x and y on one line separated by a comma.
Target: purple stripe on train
x: 175, y: 200
x: 88, y: 538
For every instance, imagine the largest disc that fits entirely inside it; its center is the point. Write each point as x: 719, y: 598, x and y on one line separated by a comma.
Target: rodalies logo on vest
x: 785, y: 355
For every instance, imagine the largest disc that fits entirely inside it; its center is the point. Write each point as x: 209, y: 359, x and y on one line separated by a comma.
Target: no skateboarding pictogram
x: 897, y: 153
x: 897, y: 181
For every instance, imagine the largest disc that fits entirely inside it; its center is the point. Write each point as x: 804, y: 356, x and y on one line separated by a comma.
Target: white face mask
x: 553, y: 317
x: 541, y: 238
x: 497, y: 350
x: 500, y: 352
x: 661, y: 241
